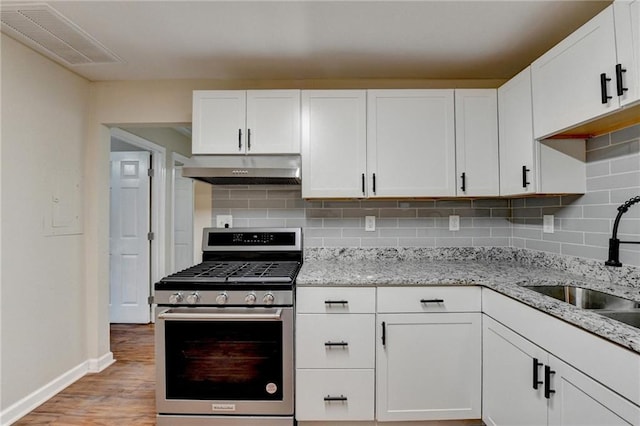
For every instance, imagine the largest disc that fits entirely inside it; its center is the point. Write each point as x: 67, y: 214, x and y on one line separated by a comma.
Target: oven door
x: 231, y: 361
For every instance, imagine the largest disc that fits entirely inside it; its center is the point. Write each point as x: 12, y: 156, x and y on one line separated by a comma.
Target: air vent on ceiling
x: 44, y: 29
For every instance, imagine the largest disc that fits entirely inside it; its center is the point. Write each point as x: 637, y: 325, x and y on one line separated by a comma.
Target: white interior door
x: 182, y: 221
x: 129, y: 244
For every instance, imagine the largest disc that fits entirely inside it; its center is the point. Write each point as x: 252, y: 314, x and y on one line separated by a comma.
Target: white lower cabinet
x: 523, y: 384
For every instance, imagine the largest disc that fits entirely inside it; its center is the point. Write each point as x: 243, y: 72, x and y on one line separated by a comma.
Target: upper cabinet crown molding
x: 246, y: 122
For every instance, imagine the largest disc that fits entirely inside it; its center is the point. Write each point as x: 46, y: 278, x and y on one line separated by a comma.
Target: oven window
x: 224, y: 360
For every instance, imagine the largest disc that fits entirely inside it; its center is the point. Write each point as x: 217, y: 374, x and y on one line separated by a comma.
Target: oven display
x: 233, y: 360
x: 252, y: 239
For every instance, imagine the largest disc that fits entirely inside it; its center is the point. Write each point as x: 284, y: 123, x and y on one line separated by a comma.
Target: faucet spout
x: 614, y: 242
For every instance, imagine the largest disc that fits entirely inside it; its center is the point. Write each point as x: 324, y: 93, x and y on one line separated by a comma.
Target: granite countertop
x: 505, y: 276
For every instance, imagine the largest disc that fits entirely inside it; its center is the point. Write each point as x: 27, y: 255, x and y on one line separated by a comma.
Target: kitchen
x: 81, y: 332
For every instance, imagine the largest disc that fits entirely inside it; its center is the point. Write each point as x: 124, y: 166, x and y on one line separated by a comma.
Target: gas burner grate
x: 238, y: 272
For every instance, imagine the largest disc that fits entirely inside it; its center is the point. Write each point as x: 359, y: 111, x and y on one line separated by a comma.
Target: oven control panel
x: 225, y: 298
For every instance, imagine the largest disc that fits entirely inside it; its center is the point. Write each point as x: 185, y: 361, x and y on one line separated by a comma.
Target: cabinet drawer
x: 429, y: 299
x: 335, y: 300
x: 335, y: 341
x: 334, y: 395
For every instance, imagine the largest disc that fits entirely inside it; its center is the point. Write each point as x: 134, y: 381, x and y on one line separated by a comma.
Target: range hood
x: 244, y: 169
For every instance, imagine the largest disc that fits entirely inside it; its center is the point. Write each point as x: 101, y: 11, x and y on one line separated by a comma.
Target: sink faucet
x: 614, y: 242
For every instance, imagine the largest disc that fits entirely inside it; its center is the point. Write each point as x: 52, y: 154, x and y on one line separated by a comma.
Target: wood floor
x: 122, y: 395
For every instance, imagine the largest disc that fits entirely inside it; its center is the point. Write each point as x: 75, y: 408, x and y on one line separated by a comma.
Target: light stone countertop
x: 502, y: 274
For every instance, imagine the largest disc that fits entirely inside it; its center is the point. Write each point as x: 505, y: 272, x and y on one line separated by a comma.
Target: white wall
x: 43, y: 327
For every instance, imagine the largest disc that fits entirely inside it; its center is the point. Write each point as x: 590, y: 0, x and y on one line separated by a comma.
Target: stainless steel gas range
x: 224, y: 331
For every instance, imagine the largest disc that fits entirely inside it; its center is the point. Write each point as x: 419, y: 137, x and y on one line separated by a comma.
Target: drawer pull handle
x: 336, y: 302
x: 431, y: 300
x: 340, y: 398
x: 332, y: 344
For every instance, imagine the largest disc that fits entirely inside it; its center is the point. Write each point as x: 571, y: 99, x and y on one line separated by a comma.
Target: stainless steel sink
x: 631, y: 318
x: 586, y: 298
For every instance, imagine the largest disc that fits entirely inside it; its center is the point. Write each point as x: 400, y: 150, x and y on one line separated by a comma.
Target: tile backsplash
x: 582, y: 222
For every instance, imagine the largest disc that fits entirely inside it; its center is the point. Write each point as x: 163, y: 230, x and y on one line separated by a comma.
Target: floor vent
x: 45, y: 30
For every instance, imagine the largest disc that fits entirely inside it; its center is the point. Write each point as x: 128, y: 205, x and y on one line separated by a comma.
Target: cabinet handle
x: 384, y: 334
x: 547, y: 382
x: 332, y: 344
x: 374, y: 184
x: 431, y: 300
x: 525, y: 182
x: 330, y: 398
x: 604, y: 97
x: 248, y: 139
x: 336, y: 302
x: 536, y: 366
x: 363, y: 182
x: 239, y: 139
x: 463, y: 177
x: 619, y: 83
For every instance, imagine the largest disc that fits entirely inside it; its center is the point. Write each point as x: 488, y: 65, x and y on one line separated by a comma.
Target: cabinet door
x: 581, y: 401
x: 477, y: 142
x: 566, y: 79
x: 627, y: 20
x: 428, y: 366
x: 411, y: 143
x: 508, y: 394
x: 334, y: 143
x: 219, y: 122
x: 515, y: 128
x: 273, y: 121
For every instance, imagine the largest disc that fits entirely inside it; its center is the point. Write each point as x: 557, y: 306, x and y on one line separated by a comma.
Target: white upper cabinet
x: 246, y: 122
x: 477, y: 142
x: 410, y: 143
x: 581, y: 78
x: 627, y: 20
x: 334, y: 143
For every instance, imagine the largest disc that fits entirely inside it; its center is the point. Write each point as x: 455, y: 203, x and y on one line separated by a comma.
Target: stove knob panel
x: 175, y: 298
x: 193, y: 298
x: 222, y: 298
x: 250, y: 299
x: 269, y: 299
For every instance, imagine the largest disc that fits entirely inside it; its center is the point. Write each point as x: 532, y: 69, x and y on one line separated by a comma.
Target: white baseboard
x: 32, y: 401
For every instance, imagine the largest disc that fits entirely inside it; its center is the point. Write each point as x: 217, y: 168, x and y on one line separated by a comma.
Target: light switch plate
x: 454, y: 222
x: 224, y: 221
x: 547, y: 224
x: 370, y: 223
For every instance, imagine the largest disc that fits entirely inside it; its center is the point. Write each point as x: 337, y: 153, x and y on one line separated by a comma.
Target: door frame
x: 175, y: 158
x: 158, y: 203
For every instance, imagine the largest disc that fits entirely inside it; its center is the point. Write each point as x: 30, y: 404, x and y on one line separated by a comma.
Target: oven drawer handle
x: 188, y: 316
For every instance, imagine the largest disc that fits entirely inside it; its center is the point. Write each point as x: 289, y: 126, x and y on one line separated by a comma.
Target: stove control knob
x: 269, y: 299
x: 175, y: 298
x: 193, y: 298
x: 250, y: 299
x: 221, y: 299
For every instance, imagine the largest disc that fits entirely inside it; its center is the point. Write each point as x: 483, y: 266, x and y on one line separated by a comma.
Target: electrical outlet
x: 224, y: 221
x: 370, y: 223
x: 547, y: 224
x: 454, y: 222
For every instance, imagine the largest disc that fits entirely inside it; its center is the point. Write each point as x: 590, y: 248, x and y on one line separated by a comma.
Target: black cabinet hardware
x: 547, y: 382
x: 525, y: 182
x: 384, y: 333
x: 536, y: 366
x: 336, y: 302
x: 604, y: 97
x: 619, y: 83
x: 431, y: 300
x: 374, y: 183
x: 363, y: 181
x: 340, y: 398
x: 463, y: 177
x: 332, y: 344
x: 248, y: 139
x: 239, y: 139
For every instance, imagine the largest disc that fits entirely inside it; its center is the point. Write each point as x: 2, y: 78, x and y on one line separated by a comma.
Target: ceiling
x: 292, y: 40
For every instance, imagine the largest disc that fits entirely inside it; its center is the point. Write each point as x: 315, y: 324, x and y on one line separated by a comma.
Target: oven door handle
x: 190, y: 316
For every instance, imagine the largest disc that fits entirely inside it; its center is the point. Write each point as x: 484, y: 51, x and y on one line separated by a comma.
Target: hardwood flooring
x: 122, y: 395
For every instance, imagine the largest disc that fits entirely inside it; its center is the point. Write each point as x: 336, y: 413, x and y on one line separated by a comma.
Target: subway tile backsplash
x: 582, y: 222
